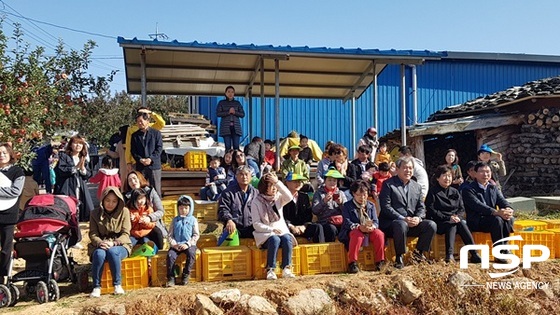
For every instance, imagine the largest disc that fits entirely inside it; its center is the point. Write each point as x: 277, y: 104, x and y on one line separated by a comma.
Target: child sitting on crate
x: 183, y: 235
x: 215, y: 179
x: 142, y: 228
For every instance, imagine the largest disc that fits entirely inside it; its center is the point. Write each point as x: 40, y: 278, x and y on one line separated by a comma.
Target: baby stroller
x: 47, y: 227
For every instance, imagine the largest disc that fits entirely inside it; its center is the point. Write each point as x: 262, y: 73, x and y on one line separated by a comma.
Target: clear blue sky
x: 475, y: 26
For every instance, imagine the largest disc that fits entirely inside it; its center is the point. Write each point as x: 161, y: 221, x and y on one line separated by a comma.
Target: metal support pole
x: 403, y: 106
x: 353, y: 113
x: 251, y: 111
x: 414, y: 95
x: 263, y: 105
x: 143, y: 83
x: 277, y: 108
x: 375, y: 100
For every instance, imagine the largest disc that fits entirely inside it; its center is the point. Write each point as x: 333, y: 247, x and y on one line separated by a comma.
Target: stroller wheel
x: 15, y: 294
x: 5, y: 296
x: 54, y: 291
x: 42, y: 292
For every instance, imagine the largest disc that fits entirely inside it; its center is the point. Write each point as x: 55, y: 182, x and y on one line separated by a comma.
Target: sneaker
x: 118, y: 290
x: 475, y: 259
x: 418, y: 256
x: 450, y: 259
x: 353, y: 267
x: 170, y: 282
x: 185, y: 279
x: 379, y: 265
x: 95, y: 293
x: 287, y: 273
x: 78, y: 246
x: 271, y: 275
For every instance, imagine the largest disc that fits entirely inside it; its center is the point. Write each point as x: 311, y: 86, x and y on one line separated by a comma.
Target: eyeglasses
x: 363, y: 151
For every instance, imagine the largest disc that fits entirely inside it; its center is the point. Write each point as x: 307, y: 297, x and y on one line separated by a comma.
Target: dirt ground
x: 432, y: 279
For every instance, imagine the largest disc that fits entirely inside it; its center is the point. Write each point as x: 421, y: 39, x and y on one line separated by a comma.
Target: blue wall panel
x: 440, y: 84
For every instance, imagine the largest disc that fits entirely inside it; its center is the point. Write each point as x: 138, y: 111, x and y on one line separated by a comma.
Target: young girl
x: 107, y: 176
x: 271, y: 231
x: 109, y: 232
x: 183, y: 235
x: 141, y: 225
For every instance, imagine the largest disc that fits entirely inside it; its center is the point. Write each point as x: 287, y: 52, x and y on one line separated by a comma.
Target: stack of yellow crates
x: 134, y: 275
x: 323, y: 258
x: 226, y: 263
x: 259, y: 262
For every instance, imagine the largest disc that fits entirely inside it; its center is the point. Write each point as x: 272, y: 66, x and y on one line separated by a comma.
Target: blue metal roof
x: 285, y: 49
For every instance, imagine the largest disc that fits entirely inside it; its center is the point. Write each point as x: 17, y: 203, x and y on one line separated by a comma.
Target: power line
x: 32, y: 35
x: 59, y: 26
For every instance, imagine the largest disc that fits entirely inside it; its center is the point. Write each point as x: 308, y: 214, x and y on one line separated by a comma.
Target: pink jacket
x: 105, y: 178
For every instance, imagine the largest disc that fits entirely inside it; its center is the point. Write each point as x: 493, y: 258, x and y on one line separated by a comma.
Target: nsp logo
x: 503, y: 252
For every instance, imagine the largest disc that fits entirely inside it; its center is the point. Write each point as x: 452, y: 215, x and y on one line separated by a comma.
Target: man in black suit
x: 146, y: 147
x: 487, y: 209
x: 403, y: 211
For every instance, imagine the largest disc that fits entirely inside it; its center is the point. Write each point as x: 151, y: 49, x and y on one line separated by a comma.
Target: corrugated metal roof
x: 549, y: 87
x: 195, y: 68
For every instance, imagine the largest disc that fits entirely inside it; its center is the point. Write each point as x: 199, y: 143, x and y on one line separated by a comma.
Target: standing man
x: 420, y: 174
x: 146, y: 146
x: 487, y: 209
x: 235, y: 204
x: 230, y: 110
x: 158, y: 124
x: 403, y: 212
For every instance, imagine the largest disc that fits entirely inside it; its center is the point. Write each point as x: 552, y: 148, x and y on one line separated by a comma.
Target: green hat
x: 294, y: 176
x: 332, y: 172
x: 294, y: 147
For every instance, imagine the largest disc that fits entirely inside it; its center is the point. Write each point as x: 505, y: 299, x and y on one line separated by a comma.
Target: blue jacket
x: 352, y: 219
x: 476, y: 206
x: 150, y: 146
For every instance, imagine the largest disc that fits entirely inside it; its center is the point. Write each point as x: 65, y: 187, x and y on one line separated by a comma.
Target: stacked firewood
x: 535, y: 154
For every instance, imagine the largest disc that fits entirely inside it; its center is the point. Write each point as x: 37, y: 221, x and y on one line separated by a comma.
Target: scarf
x: 271, y: 213
x: 362, y: 211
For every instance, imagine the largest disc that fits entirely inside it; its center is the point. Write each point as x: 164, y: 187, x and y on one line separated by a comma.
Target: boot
x: 399, y: 262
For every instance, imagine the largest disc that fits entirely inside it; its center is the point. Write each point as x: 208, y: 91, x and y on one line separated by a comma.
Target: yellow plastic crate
x: 195, y: 161
x: 170, y: 211
x: 158, y: 268
x: 484, y: 239
x: 535, y: 238
x: 247, y: 242
x: 226, y: 263
x: 323, y: 258
x: 259, y: 262
x: 171, y: 197
x: 303, y: 240
x: 438, y: 246
x: 552, y: 224
x: 556, y: 242
x: 366, y: 258
x: 207, y: 240
x: 206, y: 210
x: 390, y: 253
x: 529, y: 225
x: 134, y: 275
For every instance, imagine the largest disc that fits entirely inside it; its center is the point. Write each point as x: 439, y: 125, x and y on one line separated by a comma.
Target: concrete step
x: 522, y: 204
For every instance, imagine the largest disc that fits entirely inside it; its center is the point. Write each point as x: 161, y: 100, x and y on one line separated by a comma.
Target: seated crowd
x: 361, y: 202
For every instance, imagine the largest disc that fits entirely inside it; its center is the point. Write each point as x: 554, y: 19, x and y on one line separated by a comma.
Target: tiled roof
x: 538, y: 88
